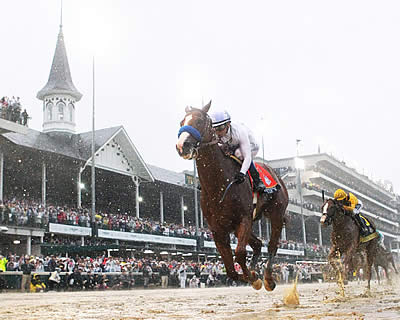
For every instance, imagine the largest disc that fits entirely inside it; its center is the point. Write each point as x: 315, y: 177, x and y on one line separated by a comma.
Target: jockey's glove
x: 240, y: 177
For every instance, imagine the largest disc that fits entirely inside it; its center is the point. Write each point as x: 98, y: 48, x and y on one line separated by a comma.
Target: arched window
x: 61, y: 108
x: 71, y: 112
x: 50, y: 111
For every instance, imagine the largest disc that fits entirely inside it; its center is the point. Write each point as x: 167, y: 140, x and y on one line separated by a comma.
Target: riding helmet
x: 340, y: 194
x: 219, y: 118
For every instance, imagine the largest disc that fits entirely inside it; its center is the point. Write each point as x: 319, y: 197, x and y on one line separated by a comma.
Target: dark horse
x: 345, y: 239
x: 198, y: 140
x: 383, y: 259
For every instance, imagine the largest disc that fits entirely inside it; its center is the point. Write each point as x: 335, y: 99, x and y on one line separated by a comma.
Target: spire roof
x: 60, y: 81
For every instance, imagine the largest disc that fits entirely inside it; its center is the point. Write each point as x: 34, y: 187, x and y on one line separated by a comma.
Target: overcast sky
x: 323, y: 72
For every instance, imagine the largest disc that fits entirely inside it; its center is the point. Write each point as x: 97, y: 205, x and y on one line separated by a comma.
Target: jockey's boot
x: 258, y: 185
x: 364, y: 230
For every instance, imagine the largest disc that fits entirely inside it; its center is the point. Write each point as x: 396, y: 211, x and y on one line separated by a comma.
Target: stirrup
x: 364, y: 232
x: 260, y: 188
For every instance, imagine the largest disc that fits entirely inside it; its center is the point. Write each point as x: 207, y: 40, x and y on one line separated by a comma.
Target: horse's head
x: 196, y: 131
x: 329, y: 209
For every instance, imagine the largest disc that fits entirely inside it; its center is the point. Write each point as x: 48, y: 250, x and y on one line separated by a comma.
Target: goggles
x: 221, y: 127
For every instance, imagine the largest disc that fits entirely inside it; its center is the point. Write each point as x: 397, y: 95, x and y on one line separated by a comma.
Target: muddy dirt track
x: 317, y: 301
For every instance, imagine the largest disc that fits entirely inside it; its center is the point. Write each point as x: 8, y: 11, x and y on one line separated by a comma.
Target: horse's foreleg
x: 332, y: 258
x: 256, y: 245
x: 222, y: 242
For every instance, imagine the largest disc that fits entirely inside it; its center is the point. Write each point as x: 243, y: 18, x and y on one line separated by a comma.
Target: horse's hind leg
x: 377, y: 273
x: 256, y: 245
x: 371, y: 252
x: 243, y: 233
x: 276, y: 229
x: 222, y: 242
x: 392, y: 262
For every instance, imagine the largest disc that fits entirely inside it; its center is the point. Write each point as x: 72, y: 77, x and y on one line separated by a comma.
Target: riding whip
x: 226, y: 190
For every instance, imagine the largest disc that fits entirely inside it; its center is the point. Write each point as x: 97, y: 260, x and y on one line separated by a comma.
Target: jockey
x: 240, y: 141
x: 352, y: 204
x: 381, y: 239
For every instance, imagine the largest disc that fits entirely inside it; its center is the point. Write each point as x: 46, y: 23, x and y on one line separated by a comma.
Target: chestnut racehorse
x: 345, y: 239
x: 198, y: 140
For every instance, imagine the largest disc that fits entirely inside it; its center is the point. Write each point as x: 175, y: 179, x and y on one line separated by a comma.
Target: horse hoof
x: 269, y: 287
x: 257, y: 284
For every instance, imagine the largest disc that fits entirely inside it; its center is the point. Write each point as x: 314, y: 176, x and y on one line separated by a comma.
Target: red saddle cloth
x: 265, y: 176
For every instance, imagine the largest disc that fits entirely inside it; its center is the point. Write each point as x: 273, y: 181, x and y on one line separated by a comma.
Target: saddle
x: 265, y: 176
x: 372, y: 234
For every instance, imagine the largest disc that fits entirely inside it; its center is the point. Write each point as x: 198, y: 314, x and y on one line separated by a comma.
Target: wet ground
x: 317, y: 301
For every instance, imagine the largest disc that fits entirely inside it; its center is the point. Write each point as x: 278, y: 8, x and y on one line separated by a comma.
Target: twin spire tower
x: 59, y: 95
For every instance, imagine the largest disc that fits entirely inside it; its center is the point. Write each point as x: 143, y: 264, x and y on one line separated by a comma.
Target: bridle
x: 337, y: 207
x: 198, y: 135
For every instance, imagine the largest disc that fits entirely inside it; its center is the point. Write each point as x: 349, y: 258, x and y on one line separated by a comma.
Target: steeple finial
x: 61, y: 14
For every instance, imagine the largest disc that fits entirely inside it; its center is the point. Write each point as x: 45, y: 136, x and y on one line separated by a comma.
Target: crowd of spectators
x: 355, y: 184
x: 101, y: 272
x: 31, y: 213
x: 284, y: 170
x: 312, y: 249
x: 11, y: 109
x: 306, y: 204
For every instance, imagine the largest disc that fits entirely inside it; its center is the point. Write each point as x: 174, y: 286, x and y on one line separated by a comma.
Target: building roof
x: 168, y: 176
x: 79, y: 146
x: 76, y: 146
x: 60, y: 80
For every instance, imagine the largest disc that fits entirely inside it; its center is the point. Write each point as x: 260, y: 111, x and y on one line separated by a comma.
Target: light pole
x: 93, y: 155
x: 299, y: 164
x: 262, y: 139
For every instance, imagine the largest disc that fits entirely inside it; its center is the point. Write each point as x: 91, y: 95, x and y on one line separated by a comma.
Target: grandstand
x: 324, y: 172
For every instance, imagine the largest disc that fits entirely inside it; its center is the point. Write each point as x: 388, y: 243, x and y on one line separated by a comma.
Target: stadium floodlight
x: 140, y: 199
x: 82, y: 185
x: 3, y: 229
x: 16, y: 241
x: 185, y: 208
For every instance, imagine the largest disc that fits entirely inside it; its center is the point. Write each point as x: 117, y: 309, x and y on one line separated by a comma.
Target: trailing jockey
x: 352, y: 204
x: 239, y: 140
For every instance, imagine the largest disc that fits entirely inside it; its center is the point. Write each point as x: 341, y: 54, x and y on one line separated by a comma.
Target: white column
x: 1, y: 175
x: 259, y: 228
x: 283, y: 233
x: 161, y: 207
x: 182, y: 211
x: 267, y: 229
x: 320, y: 234
x: 29, y: 245
x: 82, y: 241
x: 79, y: 189
x: 201, y: 219
x: 44, y: 184
x: 137, y: 182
